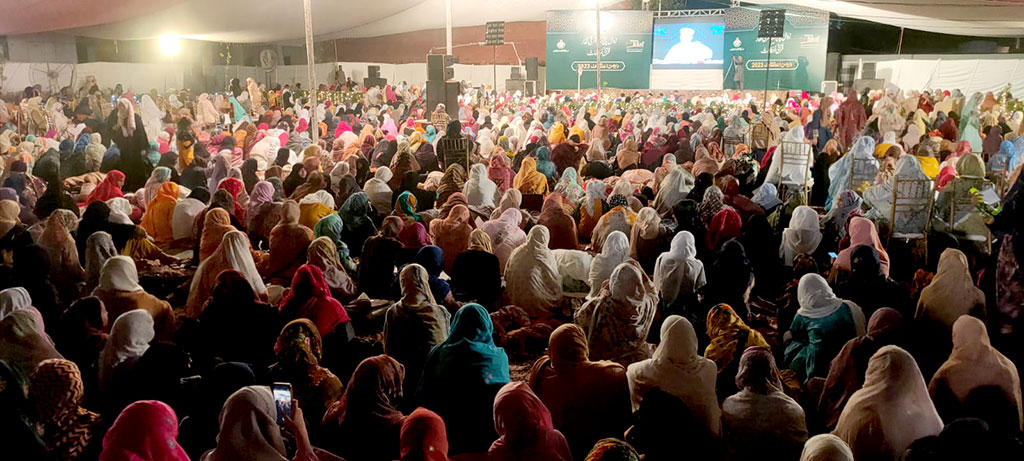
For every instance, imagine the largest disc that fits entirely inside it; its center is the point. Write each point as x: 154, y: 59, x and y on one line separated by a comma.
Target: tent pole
x: 448, y: 26
x: 899, y: 45
x: 313, y: 122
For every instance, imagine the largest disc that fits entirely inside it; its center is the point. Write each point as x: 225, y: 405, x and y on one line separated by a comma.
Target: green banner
x: 625, y: 49
x: 797, y: 58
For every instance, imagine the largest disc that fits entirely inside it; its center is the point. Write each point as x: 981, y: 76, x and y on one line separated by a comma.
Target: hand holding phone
x: 282, y: 401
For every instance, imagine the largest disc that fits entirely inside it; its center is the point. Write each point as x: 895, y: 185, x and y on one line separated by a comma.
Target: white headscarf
x: 505, y: 233
x: 125, y: 117
x: 151, y: 117
x: 119, y: 274
x: 233, y: 253
x: 479, y: 189
x: 678, y: 369
x: 891, y: 410
x: 595, y: 191
x: 321, y: 196
x: 13, y: 299
x: 673, y: 189
x: 531, y: 274
x: 184, y: 219
x: 120, y: 210
x: 615, y: 251
x: 129, y: 339
x: 802, y: 236
x: 99, y: 248
x: 678, y: 270
x: 573, y: 263
x: 248, y: 428
x: 378, y: 191
x: 817, y: 301
x: 826, y: 447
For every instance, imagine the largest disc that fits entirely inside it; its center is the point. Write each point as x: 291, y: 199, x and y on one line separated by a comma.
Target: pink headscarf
x: 147, y: 429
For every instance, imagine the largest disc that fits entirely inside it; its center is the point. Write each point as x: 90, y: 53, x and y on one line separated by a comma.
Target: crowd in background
x: 691, y: 290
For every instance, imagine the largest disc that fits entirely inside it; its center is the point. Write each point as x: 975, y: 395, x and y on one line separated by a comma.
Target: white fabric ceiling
x: 985, y: 18
x: 247, y: 21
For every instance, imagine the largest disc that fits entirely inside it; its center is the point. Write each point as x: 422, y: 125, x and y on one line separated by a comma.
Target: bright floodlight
x: 169, y: 45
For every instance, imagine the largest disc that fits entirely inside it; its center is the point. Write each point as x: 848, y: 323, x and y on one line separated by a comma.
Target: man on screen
x: 688, y: 51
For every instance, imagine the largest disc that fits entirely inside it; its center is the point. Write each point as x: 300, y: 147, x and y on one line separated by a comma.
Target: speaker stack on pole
x: 441, y: 85
x: 771, y: 26
x: 373, y: 77
x: 532, y: 76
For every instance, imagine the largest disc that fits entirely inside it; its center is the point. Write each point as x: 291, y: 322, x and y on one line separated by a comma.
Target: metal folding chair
x: 962, y: 204
x: 456, y: 151
x: 911, y: 214
x: 861, y: 170
x: 796, y: 157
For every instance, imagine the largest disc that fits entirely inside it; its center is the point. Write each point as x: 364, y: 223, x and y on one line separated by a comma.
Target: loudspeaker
x: 532, y: 69
x: 515, y: 84
x: 517, y: 72
x: 771, y: 24
x: 531, y: 88
x: 862, y: 84
x: 371, y: 82
x: 373, y: 71
x: 439, y: 67
x: 867, y: 72
x: 832, y: 63
x: 447, y: 93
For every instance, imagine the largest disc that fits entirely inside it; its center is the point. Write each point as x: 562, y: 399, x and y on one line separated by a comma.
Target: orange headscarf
x: 160, y: 213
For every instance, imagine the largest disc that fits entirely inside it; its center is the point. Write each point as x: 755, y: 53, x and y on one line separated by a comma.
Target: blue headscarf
x: 111, y: 159
x: 331, y: 226
x: 431, y: 257
x: 430, y: 134
x: 82, y: 143
x: 544, y: 163
x: 467, y: 359
x: 1017, y: 155
x: 153, y: 153
x: 1001, y: 159
x: 240, y: 113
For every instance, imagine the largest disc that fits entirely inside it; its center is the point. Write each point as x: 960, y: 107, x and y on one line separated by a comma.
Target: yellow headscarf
x: 557, y: 134
x: 529, y: 180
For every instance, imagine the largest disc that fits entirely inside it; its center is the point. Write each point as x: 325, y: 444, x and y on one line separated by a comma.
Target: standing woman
x: 128, y: 132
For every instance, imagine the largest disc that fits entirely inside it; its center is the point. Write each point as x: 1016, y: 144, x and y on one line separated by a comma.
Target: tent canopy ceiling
x: 983, y: 18
x: 250, y: 21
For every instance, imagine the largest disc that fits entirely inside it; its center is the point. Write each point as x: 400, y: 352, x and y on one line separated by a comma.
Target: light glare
x: 170, y: 45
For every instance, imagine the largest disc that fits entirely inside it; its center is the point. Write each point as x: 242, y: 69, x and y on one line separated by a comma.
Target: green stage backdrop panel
x: 625, y: 49
x: 797, y: 59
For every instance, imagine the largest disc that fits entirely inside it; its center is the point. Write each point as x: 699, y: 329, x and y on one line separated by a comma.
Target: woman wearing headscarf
x: 120, y: 292
x: 22, y: 334
x: 263, y: 214
x: 505, y: 234
x: 160, y: 214
x: 299, y: 351
x: 826, y: 447
x: 314, y: 207
x: 96, y: 218
x: 324, y: 254
x: 761, y: 418
x: 108, y: 189
x: 676, y: 186
x: 974, y: 365
x: 500, y: 173
x: 378, y: 191
x: 560, y: 225
x: 531, y: 275
x: 146, y: 429
x: 454, y: 180
x: 423, y: 436
x: 159, y: 176
x: 678, y: 274
x: 288, y: 244
x: 591, y: 208
x: 451, y: 234
x: 846, y: 372
x: 476, y: 272
x: 648, y: 239
x: 128, y: 132
x: 820, y: 328
x: 628, y: 156
x: 951, y: 293
x: 890, y: 411
x: 249, y: 430
x: 803, y: 235
x: 529, y: 180
x: 869, y: 288
x: 729, y: 336
x: 461, y: 377
x: 310, y: 298
x: 56, y: 239
x: 414, y: 324
x: 69, y: 430
x: 186, y: 213
x: 19, y: 418
x: 678, y: 369
x: 880, y: 196
x: 480, y: 190
x: 216, y: 224
x: 862, y: 232
x: 378, y: 260
x: 235, y: 324
x: 724, y: 226
x: 618, y: 320
x: 356, y: 215
x: 233, y: 253
x: 129, y: 338
x: 565, y: 380
x: 620, y: 217
x: 524, y: 427
x: 364, y: 423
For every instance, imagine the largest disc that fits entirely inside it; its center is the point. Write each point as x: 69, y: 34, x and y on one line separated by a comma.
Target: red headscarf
x: 414, y: 236
x: 725, y: 225
x: 946, y: 175
x: 234, y: 186
x: 310, y: 297
x: 499, y: 172
x: 525, y: 427
x: 147, y: 429
x: 424, y: 437
x: 108, y: 189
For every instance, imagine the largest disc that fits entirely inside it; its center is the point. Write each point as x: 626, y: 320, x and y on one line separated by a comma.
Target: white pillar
x: 448, y: 26
x: 310, y: 63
